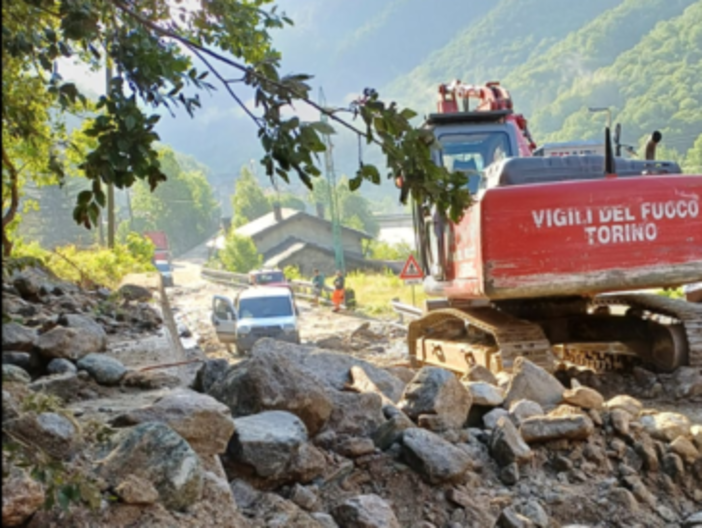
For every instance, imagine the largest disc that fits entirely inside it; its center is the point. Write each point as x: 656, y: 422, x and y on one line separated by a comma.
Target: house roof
x: 268, y: 222
x: 293, y: 246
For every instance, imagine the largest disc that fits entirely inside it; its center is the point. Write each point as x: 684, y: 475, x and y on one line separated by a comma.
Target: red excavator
x: 551, y: 258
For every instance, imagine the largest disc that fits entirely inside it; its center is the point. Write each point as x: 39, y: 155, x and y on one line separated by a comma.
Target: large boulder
x: 211, y: 371
x: 18, y: 337
x: 480, y: 373
x: 104, y: 369
x: 686, y: 382
x: 52, y: 432
x: 433, y: 457
x: 156, y: 453
x: 274, y: 445
x: 28, y: 283
x: 13, y: 373
x: 355, y: 414
x: 86, y: 324
x: 61, y: 366
x: 22, y: 496
x: 583, y: 397
x: 68, y: 343
x: 545, y: 428
x: 520, y: 410
x: 204, y: 422
x: 666, y: 426
x: 506, y: 444
x: 625, y: 403
x: 365, y: 511
x: 531, y: 382
x: 272, y: 381
x: 267, y: 441
x: 485, y: 394
x: 135, y: 490
x: 491, y: 418
x: 685, y: 449
x: 134, y: 292
x: 24, y: 360
x: 391, y: 431
x: 332, y: 369
x: 438, y: 393
x: 69, y: 387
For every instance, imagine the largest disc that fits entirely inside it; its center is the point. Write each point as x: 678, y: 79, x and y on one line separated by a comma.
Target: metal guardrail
x: 302, y: 289
x: 406, y: 311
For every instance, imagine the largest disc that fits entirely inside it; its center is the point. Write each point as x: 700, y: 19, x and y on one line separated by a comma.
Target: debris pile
x: 325, y: 439
x: 309, y: 436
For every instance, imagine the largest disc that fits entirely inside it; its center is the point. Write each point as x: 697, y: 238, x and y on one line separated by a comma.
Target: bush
x: 293, y: 273
x: 98, y: 265
x: 240, y: 254
x: 386, y: 251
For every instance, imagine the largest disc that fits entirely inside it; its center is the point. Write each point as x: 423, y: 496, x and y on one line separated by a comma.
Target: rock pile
x: 56, y: 329
x: 324, y: 439
x: 300, y: 436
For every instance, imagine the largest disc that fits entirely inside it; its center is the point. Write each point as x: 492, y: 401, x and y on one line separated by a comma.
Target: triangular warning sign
x: 411, y: 270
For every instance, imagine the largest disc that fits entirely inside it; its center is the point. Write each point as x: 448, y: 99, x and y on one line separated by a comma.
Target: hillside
x: 509, y: 35
x: 656, y: 84
x: 642, y: 58
x: 597, y: 44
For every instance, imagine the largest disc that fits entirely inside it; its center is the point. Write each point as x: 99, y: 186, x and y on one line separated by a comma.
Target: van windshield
x: 262, y: 307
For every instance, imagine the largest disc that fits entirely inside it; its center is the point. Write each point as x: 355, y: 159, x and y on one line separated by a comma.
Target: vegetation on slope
x: 513, y: 32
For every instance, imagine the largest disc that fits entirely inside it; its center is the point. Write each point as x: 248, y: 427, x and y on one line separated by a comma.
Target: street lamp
x: 603, y: 109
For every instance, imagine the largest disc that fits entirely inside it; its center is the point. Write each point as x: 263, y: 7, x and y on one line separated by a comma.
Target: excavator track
x: 601, y: 357
x: 688, y: 314
x: 500, y: 338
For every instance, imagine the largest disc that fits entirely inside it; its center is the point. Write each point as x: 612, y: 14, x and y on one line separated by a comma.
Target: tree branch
x: 195, y: 46
x: 228, y: 88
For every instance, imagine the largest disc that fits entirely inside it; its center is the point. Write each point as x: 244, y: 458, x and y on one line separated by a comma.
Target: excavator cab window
x: 472, y: 153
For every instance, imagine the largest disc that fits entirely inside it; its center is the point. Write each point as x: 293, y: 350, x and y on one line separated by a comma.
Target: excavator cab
x: 468, y: 142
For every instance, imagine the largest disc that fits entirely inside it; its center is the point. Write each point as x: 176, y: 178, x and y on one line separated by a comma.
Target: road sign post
x: 412, y: 274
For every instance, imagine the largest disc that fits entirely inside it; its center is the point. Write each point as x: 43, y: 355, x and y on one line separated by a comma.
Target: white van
x: 260, y: 311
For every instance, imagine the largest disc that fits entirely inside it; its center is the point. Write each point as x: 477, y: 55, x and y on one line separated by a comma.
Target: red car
x: 268, y: 278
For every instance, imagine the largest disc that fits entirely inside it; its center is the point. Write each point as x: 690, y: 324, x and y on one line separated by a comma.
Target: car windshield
x: 163, y: 266
x: 262, y: 307
x: 472, y: 153
x: 269, y: 277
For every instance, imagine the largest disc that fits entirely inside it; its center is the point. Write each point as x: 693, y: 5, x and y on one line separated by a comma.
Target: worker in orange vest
x: 338, y: 293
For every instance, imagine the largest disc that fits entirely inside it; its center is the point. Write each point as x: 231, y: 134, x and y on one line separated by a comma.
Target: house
x: 287, y: 237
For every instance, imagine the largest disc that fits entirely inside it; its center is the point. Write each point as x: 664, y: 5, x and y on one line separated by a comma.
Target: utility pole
x: 111, y: 185
x: 333, y: 199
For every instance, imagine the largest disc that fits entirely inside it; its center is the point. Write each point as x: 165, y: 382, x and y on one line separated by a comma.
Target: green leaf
x: 355, y: 183
x: 84, y: 197
x: 322, y: 127
x: 408, y: 114
x: 100, y: 198
x: 129, y: 122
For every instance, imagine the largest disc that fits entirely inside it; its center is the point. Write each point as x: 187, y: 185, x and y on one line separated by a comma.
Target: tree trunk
x: 9, y: 215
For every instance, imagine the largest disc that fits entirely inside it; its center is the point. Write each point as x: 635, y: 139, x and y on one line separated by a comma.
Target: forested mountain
x: 643, y: 58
